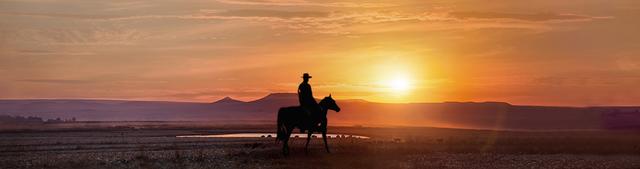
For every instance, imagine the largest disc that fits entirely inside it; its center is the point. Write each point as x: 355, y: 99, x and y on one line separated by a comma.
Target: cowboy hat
x: 306, y: 75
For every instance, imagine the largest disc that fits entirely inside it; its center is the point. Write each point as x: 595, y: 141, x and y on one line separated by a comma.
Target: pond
x: 271, y: 135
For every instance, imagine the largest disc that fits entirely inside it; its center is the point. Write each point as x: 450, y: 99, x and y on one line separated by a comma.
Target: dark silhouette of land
x: 482, y: 115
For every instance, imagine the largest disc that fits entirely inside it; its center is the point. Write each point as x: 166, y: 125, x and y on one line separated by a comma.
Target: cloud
x: 305, y: 3
x: 342, y: 22
x: 270, y: 13
x: 72, y: 33
x: 50, y: 52
x: 628, y: 63
x: 128, y: 5
x: 538, y: 17
x: 588, y: 80
x: 55, y: 81
x: 258, y: 15
x: 317, y: 16
x: 60, y: 15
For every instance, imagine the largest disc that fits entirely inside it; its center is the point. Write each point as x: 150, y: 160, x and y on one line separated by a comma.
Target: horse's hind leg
x: 285, y: 146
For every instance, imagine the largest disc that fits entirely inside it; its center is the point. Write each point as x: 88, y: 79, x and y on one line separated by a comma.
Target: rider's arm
x: 299, y: 95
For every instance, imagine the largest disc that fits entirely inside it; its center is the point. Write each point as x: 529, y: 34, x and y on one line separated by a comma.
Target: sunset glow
x: 543, y: 53
x: 355, y: 84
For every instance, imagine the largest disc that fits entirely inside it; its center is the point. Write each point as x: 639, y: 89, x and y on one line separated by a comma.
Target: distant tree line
x: 6, y: 119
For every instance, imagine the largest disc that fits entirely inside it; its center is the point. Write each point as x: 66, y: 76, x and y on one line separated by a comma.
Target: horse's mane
x: 324, y: 101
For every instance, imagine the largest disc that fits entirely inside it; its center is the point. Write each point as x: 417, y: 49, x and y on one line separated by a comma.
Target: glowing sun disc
x: 399, y: 84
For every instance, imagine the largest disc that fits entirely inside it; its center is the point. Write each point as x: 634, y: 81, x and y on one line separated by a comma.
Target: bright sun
x: 399, y: 84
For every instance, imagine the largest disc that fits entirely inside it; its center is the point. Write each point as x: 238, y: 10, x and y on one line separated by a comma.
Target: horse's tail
x: 280, y: 127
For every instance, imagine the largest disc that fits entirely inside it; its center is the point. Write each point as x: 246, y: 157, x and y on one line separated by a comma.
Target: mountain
x: 228, y: 100
x: 478, y: 115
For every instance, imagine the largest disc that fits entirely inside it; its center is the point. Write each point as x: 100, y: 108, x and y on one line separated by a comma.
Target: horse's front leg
x: 306, y: 146
x: 326, y: 146
x: 324, y: 135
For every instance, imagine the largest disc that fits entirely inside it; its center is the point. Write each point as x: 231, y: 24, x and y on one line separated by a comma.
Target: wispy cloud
x: 55, y: 81
x: 338, y: 22
x: 62, y: 15
x: 305, y: 3
x: 269, y: 13
x: 51, y: 52
x: 538, y: 17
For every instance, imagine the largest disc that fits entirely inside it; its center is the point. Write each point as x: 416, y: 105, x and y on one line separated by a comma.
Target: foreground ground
x: 158, y: 147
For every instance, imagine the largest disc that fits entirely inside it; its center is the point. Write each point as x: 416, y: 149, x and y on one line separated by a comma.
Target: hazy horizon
x: 318, y: 98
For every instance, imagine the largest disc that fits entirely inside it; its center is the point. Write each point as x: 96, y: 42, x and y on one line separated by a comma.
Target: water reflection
x: 270, y: 135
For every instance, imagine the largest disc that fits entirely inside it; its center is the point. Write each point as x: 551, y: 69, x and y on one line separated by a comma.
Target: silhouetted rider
x: 305, y: 96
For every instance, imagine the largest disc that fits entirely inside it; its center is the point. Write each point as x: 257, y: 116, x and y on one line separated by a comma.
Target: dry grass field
x: 156, y: 146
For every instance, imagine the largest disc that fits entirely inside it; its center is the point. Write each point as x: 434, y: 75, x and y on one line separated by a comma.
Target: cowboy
x: 305, y: 96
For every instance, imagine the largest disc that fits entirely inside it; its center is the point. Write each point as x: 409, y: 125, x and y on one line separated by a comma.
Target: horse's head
x: 329, y: 103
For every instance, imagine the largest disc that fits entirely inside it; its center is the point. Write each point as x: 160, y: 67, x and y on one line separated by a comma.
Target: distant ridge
x: 227, y: 100
x: 478, y: 115
x: 488, y: 102
x: 278, y: 96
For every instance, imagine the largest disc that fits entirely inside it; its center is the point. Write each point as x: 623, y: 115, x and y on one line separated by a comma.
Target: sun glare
x: 398, y: 84
x: 395, y: 76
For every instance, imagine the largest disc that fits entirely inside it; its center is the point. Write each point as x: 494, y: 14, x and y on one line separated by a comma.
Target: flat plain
x: 155, y: 145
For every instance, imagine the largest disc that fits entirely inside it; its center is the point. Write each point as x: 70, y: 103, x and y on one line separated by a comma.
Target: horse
x: 296, y: 117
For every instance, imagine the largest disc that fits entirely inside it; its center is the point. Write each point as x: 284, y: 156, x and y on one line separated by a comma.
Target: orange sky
x: 575, y: 52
